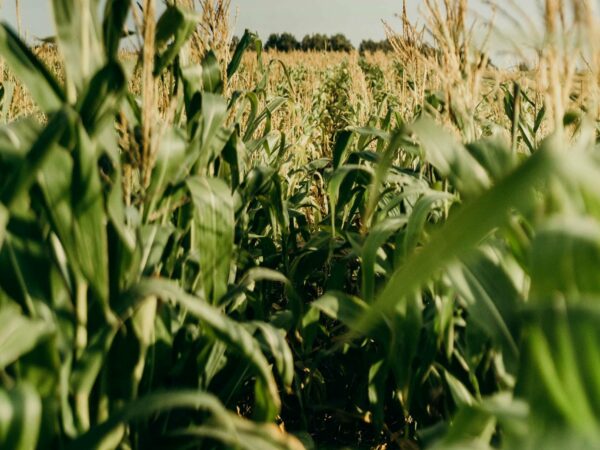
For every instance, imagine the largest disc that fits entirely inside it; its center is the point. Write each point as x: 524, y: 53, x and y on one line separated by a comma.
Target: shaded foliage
x: 371, y: 46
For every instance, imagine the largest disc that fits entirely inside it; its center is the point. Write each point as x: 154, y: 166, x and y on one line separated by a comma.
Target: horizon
x: 356, y: 19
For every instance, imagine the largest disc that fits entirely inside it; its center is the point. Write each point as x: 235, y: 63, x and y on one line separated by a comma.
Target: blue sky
x: 357, y: 19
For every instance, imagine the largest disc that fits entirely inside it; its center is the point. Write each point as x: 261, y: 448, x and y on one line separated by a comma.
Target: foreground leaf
x: 213, y: 233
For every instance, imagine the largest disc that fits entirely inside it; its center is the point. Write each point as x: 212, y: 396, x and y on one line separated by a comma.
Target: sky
x: 357, y: 19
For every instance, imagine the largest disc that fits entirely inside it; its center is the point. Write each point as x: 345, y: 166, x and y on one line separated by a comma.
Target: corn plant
x: 174, y: 274
x: 100, y: 349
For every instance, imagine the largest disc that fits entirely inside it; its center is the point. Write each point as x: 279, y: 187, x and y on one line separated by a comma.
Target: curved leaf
x: 173, y: 29
x: 279, y: 348
x: 42, y: 85
x: 245, y: 42
x: 565, y: 255
x: 226, y: 330
x: 19, y: 335
x: 378, y: 236
x: 481, y: 216
x: 149, y: 405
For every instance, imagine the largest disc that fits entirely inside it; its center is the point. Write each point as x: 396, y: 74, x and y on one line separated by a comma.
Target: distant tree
x: 285, y: 42
x: 367, y: 45
x: 316, y: 42
x: 272, y: 42
x: 340, y: 43
x: 289, y: 42
x: 371, y: 46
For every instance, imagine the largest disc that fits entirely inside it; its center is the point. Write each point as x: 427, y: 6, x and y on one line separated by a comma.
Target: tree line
x: 287, y: 42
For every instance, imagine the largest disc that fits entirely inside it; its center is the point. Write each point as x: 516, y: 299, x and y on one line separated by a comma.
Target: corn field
x: 208, y: 247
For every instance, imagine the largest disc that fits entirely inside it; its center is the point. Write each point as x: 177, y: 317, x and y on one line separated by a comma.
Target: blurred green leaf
x: 213, y: 233
x: 20, y: 418
x: 19, y: 335
x: 228, y: 331
x: 113, y: 23
x: 78, y: 36
x: 564, y: 255
x: 174, y: 28
x: 245, y: 42
x: 480, y: 217
x: 42, y: 85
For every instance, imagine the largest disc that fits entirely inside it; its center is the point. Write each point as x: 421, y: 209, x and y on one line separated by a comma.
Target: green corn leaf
x: 560, y: 366
x: 539, y: 118
x: 116, y: 211
x: 17, y: 138
x: 378, y: 377
x: 26, y: 266
x: 191, y: 75
x: 113, y: 23
x: 418, y: 218
x: 173, y: 30
x: 378, y: 236
x: 337, y: 179
x: 405, y: 331
x: 253, y: 102
x: 564, y: 255
x: 209, y: 135
x: 547, y: 368
x: 492, y: 300
x: 369, y: 134
x: 87, y: 368
x: 170, y: 157
x: 381, y: 172
x: 78, y: 36
x: 74, y: 201
x: 212, y: 82
x: 450, y: 157
x: 247, y: 436
x: 213, y: 133
x: 279, y: 349
x: 233, y: 154
x: 143, y: 320
x: 245, y: 42
x: 460, y: 394
x: 99, y: 103
x: 474, y: 424
x: 4, y: 217
x: 55, y: 181
x: 226, y: 330
x: 341, y: 147
x: 339, y: 306
x: 153, y: 240
x: 146, y: 407
x: 248, y: 282
x: 480, y: 217
x: 213, y: 233
x: 42, y: 85
x: 25, y: 175
x: 495, y: 157
x: 19, y: 335
x: 89, y: 227
x: 20, y: 418
x: 271, y: 107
